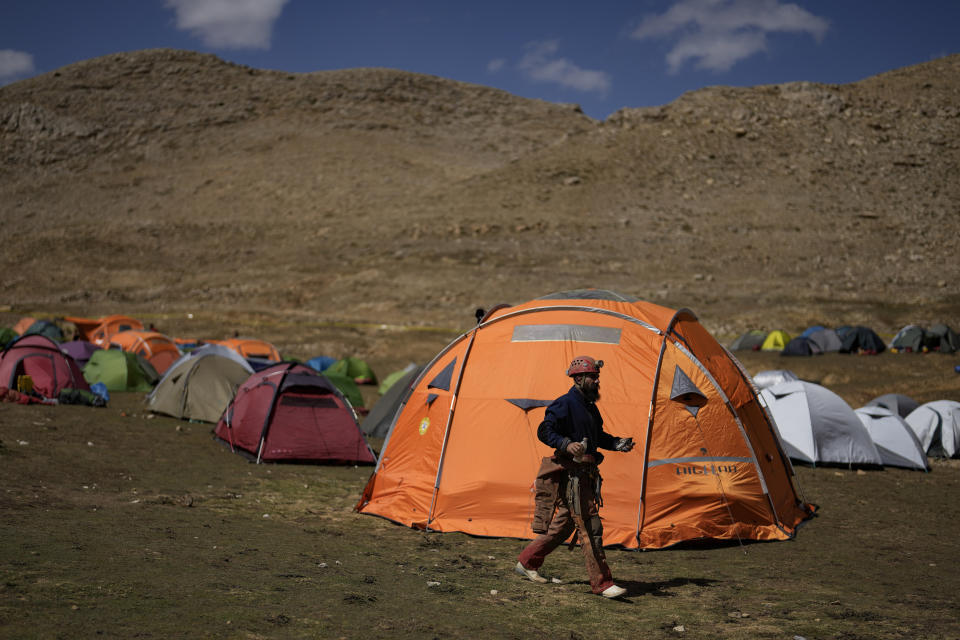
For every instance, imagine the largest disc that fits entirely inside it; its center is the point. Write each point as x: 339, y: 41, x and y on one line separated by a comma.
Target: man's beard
x: 591, y: 393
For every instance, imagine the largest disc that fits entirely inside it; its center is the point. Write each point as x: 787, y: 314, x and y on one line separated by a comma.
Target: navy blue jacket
x: 570, y: 418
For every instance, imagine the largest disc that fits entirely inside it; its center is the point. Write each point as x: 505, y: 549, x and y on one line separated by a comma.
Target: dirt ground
x: 121, y: 524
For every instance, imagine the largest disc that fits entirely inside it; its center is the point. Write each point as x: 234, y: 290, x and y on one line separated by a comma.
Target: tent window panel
x: 565, y: 333
x: 302, y: 401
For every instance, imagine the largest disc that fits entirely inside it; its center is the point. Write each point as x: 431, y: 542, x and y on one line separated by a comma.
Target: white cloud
x: 14, y: 64
x: 232, y: 24
x: 541, y: 63
x: 719, y: 33
x: 495, y: 65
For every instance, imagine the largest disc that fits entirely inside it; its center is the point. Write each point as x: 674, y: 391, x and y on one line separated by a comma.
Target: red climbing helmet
x: 584, y: 364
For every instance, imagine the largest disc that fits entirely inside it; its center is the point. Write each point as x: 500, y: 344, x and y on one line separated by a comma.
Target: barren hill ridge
x: 170, y: 180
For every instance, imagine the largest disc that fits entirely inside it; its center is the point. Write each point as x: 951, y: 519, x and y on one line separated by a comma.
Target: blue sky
x: 603, y: 55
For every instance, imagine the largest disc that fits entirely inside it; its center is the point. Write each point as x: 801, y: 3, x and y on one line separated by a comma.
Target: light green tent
x: 392, y: 378
x: 200, y: 385
x: 353, y: 368
x: 120, y: 370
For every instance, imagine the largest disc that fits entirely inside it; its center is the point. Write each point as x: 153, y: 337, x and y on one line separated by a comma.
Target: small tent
x: 862, y: 340
x: 809, y: 331
x: 7, y: 335
x: 291, y: 412
x: 773, y: 376
x: 46, y: 328
x: 24, y: 323
x: 394, y: 376
x: 120, y: 370
x: 937, y: 425
x: 896, y: 402
x: 752, y: 340
x: 943, y: 338
x: 897, y: 443
x: 79, y: 350
x: 355, y: 369
x: 99, y: 330
x: 775, y: 341
x: 39, y: 357
x: 251, y: 348
x: 320, y: 363
x: 159, y: 350
x: 801, y: 346
x: 826, y: 340
x: 462, y: 452
x: 377, y: 422
x: 910, y: 339
x: 347, y: 387
x: 201, y: 384
x: 818, y: 427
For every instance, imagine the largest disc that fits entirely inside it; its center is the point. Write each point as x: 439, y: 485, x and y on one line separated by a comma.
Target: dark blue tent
x: 801, y: 346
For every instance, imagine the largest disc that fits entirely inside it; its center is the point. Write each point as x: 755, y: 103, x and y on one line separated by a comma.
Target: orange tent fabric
x: 462, y: 453
x: 158, y: 349
x: 23, y: 324
x: 251, y: 348
x: 99, y: 330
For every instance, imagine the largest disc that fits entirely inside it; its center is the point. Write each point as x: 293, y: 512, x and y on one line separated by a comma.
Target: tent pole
x: 642, y: 506
x: 446, y: 429
x: 270, y: 412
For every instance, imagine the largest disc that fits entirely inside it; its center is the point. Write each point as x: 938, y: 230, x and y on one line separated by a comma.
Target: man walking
x: 568, y: 482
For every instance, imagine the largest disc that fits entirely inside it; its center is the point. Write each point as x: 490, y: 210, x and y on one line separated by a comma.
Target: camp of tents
x: 716, y: 447
x: 817, y: 340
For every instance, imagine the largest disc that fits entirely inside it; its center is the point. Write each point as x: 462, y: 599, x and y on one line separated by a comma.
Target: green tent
x: 6, y: 335
x: 353, y: 368
x: 346, y: 386
x: 120, y: 370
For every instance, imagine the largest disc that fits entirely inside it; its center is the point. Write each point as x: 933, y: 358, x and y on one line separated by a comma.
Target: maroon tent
x: 291, y: 412
x: 40, y: 358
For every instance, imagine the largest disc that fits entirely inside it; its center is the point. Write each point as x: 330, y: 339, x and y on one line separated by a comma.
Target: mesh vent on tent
x: 686, y: 392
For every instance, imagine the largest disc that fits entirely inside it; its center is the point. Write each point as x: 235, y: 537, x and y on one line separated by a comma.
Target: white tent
x: 771, y: 377
x: 937, y: 425
x: 817, y: 426
x: 897, y: 443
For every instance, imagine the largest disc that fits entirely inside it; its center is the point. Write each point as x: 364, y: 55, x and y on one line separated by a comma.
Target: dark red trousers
x: 576, y: 509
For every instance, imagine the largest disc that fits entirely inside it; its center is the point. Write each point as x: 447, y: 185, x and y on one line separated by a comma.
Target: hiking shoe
x: 613, y: 592
x: 534, y: 575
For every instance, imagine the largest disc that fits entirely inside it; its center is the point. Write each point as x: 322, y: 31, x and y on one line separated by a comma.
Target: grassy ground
x: 119, y: 524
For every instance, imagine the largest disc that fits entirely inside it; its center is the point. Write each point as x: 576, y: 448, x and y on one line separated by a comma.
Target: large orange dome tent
x: 462, y: 451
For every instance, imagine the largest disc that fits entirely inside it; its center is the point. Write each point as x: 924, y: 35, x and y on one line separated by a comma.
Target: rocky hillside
x: 168, y: 180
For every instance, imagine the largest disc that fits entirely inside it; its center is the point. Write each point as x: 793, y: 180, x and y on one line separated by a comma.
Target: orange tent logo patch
x: 424, y: 425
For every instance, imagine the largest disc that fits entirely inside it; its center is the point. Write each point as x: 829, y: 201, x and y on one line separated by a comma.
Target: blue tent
x: 320, y: 362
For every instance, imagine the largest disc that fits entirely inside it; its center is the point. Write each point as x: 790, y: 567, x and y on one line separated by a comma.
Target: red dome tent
x: 291, y: 412
x: 462, y: 450
x: 40, y: 358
